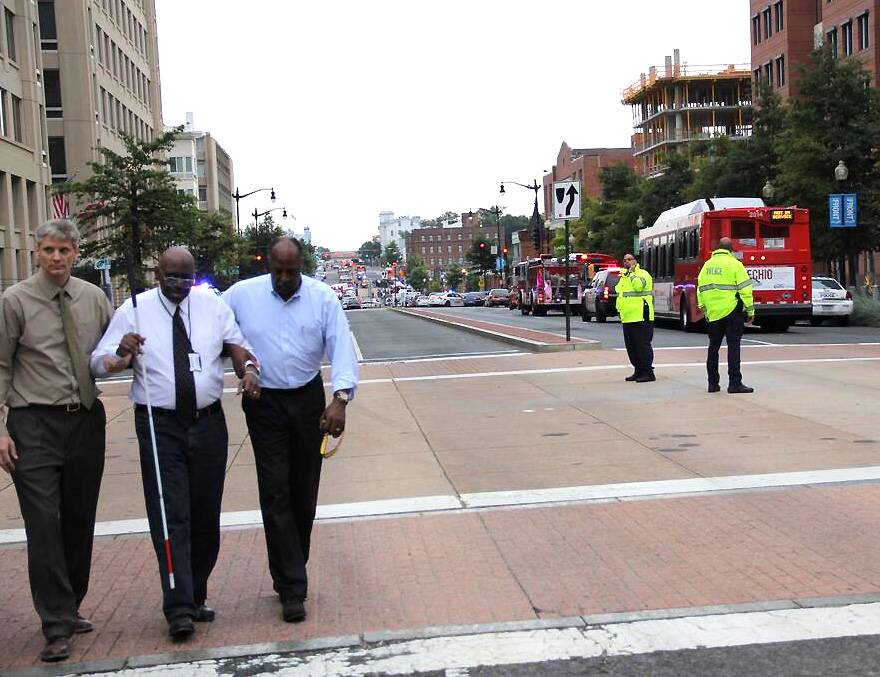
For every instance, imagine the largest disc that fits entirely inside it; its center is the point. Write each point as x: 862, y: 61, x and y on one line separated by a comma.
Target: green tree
x: 215, y: 247
x: 391, y: 254
x: 454, y: 276
x: 480, y: 254
x: 133, y: 208
x: 836, y: 117
x: 254, y: 256
x: 370, y: 250
x: 417, y: 278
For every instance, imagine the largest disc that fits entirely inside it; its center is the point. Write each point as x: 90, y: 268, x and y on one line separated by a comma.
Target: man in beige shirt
x: 53, y: 440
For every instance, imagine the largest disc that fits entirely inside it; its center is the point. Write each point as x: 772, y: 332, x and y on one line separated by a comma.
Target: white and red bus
x: 772, y: 242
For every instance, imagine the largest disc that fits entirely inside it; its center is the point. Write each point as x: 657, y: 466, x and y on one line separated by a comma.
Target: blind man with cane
x: 180, y: 425
x: 53, y: 440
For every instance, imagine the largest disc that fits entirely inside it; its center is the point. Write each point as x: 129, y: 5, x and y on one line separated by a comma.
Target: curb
x: 518, y: 341
x: 385, y: 637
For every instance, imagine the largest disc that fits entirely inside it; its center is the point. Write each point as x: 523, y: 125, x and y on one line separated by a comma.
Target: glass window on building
x: 10, y: 34
x: 189, y: 164
x: 846, y: 35
x: 832, y: 41
x: 57, y: 157
x: 778, y: 15
x: 16, y: 119
x: 52, y: 89
x: 48, y: 29
x: 768, y: 23
x: 3, y: 119
x: 780, y: 71
x: 203, y: 194
x: 862, y: 20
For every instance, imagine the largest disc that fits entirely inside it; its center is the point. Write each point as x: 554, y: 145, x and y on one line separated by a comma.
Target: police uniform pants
x: 731, y: 328
x: 285, y: 433
x: 57, y: 478
x: 637, y: 337
x: 192, y: 460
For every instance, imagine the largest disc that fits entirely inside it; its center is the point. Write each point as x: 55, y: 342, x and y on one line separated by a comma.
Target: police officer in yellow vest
x: 635, y: 305
x: 724, y: 294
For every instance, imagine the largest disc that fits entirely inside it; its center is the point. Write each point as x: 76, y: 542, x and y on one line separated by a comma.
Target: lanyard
x: 171, y: 315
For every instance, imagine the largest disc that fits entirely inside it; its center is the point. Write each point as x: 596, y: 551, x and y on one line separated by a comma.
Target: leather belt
x: 68, y: 408
x: 210, y: 410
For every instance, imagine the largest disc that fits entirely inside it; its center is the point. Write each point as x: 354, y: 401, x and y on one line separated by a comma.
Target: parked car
x: 600, y: 298
x: 473, y: 298
x: 370, y: 303
x: 423, y: 301
x: 350, y: 302
x: 513, y: 299
x: 831, y: 301
x: 446, y: 298
x: 496, y: 297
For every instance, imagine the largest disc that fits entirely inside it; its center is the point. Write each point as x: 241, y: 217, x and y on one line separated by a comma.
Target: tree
x: 454, y: 275
x: 480, y: 254
x: 216, y: 248
x: 370, y: 250
x: 253, y: 259
x: 131, y: 198
x: 392, y: 254
x: 418, y: 278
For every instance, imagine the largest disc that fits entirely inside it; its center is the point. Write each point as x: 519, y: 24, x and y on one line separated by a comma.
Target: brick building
x: 784, y: 32
x: 584, y: 165
x: 441, y: 247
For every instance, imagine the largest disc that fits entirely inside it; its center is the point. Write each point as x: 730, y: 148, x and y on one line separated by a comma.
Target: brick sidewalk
x: 485, y: 566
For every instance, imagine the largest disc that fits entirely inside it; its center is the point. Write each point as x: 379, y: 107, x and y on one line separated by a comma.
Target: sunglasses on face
x: 174, y: 278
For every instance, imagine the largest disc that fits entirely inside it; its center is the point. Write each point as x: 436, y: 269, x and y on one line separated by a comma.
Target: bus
x: 540, y: 283
x: 772, y: 242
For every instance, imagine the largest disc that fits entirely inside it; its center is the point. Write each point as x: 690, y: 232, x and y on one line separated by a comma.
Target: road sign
x: 567, y: 200
x: 102, y: 264
x: 494, y: 248
x: 843, y: 210
x: 499, y: 263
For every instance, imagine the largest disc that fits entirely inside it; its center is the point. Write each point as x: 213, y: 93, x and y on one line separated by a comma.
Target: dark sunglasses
x: 180, y: 279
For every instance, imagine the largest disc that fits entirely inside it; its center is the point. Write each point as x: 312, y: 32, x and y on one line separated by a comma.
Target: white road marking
x: 357, y: 348
x: 521, y: 498
x: 457, y: 654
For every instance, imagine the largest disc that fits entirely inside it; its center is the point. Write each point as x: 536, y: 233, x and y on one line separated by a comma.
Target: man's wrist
x: 342, y: 396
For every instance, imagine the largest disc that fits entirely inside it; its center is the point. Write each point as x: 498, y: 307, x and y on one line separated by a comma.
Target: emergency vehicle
x: 540, y: 283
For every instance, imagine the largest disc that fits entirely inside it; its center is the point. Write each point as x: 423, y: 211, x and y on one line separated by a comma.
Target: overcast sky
x: 352, y: 107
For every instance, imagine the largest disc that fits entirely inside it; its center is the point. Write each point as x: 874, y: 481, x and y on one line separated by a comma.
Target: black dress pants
x: 192, y: 461
x: 285, y: 433
x: 57, y: 478
x: 731, y: 328
x: 637, y: 337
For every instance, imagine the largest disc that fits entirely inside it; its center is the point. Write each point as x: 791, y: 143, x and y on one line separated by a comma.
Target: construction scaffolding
x: 686, y: 105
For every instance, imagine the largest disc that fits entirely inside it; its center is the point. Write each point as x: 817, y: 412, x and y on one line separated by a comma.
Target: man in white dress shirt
x: 292, y: 321
x: 184, y: 333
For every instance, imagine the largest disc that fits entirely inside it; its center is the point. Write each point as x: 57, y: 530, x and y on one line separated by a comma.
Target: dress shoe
x: 631, y: 377
x: 740, y: 389
x: 714, y: 387
x: 204, y: 614
x: 82, y: 625
x: 293, y: 610
x: 181, y: 628
x: 646, y: 378
x: 56, y: 649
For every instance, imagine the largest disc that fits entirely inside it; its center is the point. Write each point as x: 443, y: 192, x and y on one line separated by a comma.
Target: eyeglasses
x: 180, y: 279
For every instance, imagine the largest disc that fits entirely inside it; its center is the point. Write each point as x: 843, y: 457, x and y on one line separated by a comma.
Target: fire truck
x: 540, y: 283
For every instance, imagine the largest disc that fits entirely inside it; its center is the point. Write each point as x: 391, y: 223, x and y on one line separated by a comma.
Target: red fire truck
x: 540, y: 283
x: 772, y: 242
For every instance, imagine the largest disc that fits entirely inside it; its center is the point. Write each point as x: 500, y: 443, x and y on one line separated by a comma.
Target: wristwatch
x: 252, y: 365
x: 343, y: 396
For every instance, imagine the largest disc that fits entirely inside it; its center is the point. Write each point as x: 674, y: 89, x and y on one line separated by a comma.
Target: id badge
x: 195, y: 362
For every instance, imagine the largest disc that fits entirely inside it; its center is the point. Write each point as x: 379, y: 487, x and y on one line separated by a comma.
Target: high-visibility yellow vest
x: 635, y: 290
x: 722, y: 282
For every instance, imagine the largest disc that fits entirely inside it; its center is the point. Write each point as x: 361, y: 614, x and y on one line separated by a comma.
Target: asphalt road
x: 666, y: 334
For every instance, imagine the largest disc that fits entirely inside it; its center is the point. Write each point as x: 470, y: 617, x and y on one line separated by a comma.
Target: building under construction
x: 683, y: 105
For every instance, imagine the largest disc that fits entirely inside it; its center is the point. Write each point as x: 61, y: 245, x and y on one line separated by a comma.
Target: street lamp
x: 257, y: 214
x: 238, y: 196
x: 841, y: 173
x: 768, y: 191
x: 535, y: 187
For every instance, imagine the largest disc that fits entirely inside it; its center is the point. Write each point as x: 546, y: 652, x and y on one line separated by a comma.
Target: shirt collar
x: 296, y: 294
x: 171, y: 306
x: 50, y: 290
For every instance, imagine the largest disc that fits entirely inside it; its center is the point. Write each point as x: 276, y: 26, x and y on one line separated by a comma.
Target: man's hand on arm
x: 8, y: 453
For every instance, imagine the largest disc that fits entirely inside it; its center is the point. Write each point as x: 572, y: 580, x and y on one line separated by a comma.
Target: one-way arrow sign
x: 567, y: 200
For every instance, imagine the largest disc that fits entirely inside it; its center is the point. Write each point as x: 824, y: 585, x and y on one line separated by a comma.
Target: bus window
x: 714, y: 234
x: 693, y: 244
x: 774, y: 236
x: 681, y: 246
x: 670, y: 261
x: 743, y: 231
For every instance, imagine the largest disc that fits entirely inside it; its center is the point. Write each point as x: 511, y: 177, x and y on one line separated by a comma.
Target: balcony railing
x: 685, y: 137
x: 658, y: 74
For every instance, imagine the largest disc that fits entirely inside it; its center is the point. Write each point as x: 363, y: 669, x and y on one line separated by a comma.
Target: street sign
x: 494, y: 248
x: 843, y: 210
x: 102, y: 264
x: 499, y: 263
x: 567, y: 200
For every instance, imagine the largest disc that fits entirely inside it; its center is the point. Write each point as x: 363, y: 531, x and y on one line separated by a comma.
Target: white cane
x: 137, y: 329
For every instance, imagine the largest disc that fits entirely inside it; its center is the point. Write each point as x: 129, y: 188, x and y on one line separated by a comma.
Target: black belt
x: 69, y: 408
x: 210, y: 410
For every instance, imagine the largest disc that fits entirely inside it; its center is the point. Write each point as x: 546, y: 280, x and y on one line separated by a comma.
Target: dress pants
x: 57, y: 478
x: 637, y: 337
x: 730, y: 327
x: 192, y: 460
x: 285, y: 433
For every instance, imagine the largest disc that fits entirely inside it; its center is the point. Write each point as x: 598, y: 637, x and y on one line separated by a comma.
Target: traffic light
x: 258, y: 258
x: 482, y: 245
x: 504, y: 251
x: 536, y: 238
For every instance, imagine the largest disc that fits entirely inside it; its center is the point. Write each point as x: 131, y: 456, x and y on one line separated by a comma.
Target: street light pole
x: 841, y: 173
x: 536, y: 188
x: 238, y: 196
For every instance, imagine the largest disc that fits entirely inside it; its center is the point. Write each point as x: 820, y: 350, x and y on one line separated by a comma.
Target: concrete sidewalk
x: 424, y: 432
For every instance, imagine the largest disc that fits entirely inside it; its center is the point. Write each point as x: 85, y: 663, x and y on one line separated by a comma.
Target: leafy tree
x: 253, y: 260
x: 418, y: 278
x: 454, y: 276
x: 480, y: 254
x: 370, y: 250
x: 131, y: 197
x: 215, y: 247
x: 392, y: 254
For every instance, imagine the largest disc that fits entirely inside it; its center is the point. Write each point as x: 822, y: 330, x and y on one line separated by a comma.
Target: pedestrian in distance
x: 292, y: 321
x: 635, y: 306
x: 53, y: 441
x: 724, y: 294
x: 181, y: 356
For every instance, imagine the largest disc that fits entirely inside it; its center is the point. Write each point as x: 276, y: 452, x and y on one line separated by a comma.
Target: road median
x: 527, y: 339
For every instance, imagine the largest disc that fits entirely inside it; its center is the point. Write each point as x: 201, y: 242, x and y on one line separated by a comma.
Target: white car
x: 830, y: 301
x: 446, y: 298
x: 423, y: 301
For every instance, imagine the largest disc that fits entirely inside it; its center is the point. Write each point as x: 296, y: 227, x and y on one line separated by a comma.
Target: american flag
x: 59, y: 205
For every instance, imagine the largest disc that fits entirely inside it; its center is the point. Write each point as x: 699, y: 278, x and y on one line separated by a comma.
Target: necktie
x: 184, y: 381
x: 84, y: 383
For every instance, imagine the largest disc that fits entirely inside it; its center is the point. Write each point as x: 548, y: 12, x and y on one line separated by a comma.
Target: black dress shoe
x: 181, y: 628
x: 204, y: 614
x: 740, y: 389
x: 714, y: 387
x: 631, y: 377
x: 56, y: 649
x: 646, y: 378
x: 82, y: 625
x: 293, y: 610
